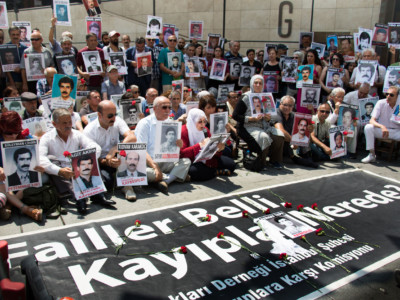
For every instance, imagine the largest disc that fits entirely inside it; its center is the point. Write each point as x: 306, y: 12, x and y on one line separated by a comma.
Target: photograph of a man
x: 268, y: 104
x: 271, y: 84
x: 36, y: 67
x: 66, y: 85
x: 338, y: 137
x: 380, y: 35
x: 332, y: 45
x: 290, y: 226
x: 132, y: 117
x: 394, y: 36
x: 24, y: 35
x: 257, y: 106
x: 218, y: 70
x: 219, y: 125
x: 15, y: 106
x: 335, y: 80
x: 9, y: 57
x: 393, y: 78
x: 305, y: 76
x: 61, y: 13
x: 245, y: 76
x: 305, y: 40
x: 132, y: 162
x: 86, y: 180
x: 310, y: 96
x: 169, y: 141
x: 92, y: 7
x: 195, y: 31
x: 22, y: 158
x: 369, y: 107
x: 366, y: 73
x: 153, y: 28
x: 364, y: 41
x: 235, y: 69
x: 144, y: 68
x: 347, y: 118
x: 300, y: 136
x: 175, y: 66
x: 94, y: 27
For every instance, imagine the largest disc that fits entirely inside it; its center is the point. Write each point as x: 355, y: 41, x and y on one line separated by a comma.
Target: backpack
x: 45, y: 197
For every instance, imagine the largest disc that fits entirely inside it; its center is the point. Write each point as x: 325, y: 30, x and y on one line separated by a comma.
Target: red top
x: 95, y: 80
x: 190, y: 152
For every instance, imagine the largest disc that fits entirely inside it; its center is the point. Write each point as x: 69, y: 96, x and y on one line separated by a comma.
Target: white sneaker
x: 129, y: 193
x: 369, y: 159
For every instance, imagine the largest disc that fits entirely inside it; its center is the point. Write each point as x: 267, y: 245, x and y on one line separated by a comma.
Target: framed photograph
x: 223, y: 92
x: 92, y: 7
x: 268, y: 104
x: 256, y: 106
x: 364, y: 39
x: 3, y: 15
x: 305, y: 75
x: 212, y: 42
x: 92, y: 62
x: 300, y: 132
x: 174, y: 61
x: 218, y: 69
x: 26, y: 29
x: 289, y: 70
x: 118, y: 59
x: 116, y: 99
x: 14, y: 104
x: 271, y: 82
x: 320, y: 48
x: 9, y: 57
x: 203, y: 66
x: 306, y: 38
x: 167, y: 133
x: 37, y: 126
x: 235, y: 67
x: 211, y: 147
x: 366, y: 71
x: 34, y: 66
x: 346, y: 47
x: 310, y: 94
x: 81, y: 99
x: 168, y: 30
x: 332, y: 43
x: 337, y: 142
x: 62, y: 12
x: 19, y: 161
x: 366, y: 106
x: 93, y: 25
x: 392, y: 78
x: 347, y: 113
x: 132, y: 170
x: 66, y: 64
x: 218, y: 122
x: 192, y: 67
x: 153, y: 30
x: 63, y: 91
x: 246, y: 72
x: 177, y: 85
x: 334, y: 78
x: 131, y: 109
x: 196, y: 30
x: 394, y: 33
x: 380, y: 35
x: 86, y: 170
x: 143, y: 64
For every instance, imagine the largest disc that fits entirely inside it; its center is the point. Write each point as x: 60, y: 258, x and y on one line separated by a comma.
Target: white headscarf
x: 257, y: 76
x: 195, y: 135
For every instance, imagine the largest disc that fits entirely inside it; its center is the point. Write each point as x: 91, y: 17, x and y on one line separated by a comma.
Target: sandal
x: 223, y: 172
x: 34, y: 212
x: 5, y: 213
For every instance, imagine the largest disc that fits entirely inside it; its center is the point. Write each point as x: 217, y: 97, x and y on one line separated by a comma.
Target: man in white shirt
x: 162, y: 173
x: 106, y: 131
x: 380, y: 125
x: 51, y: 153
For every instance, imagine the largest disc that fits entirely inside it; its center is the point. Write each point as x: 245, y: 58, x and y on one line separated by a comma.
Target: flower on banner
x: 124, y: 238
x: 207, y: 218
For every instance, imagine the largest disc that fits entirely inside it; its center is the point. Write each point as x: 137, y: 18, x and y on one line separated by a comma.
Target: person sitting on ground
x: 320, y: 136
x: 194, y: 140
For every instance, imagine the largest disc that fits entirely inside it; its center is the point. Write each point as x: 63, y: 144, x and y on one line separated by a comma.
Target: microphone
x: 205, y: 133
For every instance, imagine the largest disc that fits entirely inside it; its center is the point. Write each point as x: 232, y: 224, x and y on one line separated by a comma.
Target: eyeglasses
x: 35, y: 40
x: 151, y: 40
x: 166, y: 107
x: 110, y: 116
x: 186, y: 91
x: 287, y: 105
x: 390, y: 94
x: 335, y: 58
x: 324, y: 111
x: 172, y: 40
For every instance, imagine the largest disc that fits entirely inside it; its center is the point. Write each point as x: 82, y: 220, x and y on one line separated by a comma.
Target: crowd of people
x: 265, y: 136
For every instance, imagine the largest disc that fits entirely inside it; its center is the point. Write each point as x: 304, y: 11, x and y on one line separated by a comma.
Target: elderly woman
x: 257, y: 131
x: 195, y: 136
x: 10, y: 130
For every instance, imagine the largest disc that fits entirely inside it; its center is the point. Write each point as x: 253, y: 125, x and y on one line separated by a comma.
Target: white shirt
x: 352, y: 98
x: 106, y: 138
x: 382, y: 113
x: 146, y: 132
x: 52, y: 144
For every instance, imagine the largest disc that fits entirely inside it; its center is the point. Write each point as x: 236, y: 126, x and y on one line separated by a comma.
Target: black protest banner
x: 81, y: 261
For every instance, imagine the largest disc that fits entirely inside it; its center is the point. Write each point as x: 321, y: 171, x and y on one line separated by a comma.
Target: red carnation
x: 174, y: 84
x: 189, y: 90
x: 303, y: 237
x: 245, y: 214
x: 374, y: 94
x: 122, y: 153
x: 25, y: 132
x: 128, y: 90
x: 283, y: 256
x: 147, y: 111
x: 109, y: 63
x: 355, y: 118
x: 171, y: 115
x: 83, y: 80
x: 25, y: 55
x: 183, y: 250
x: 314, y: 206
x: 67, y: 154
x: 133, y: 102
x: 300, y: 207
x: 264, y: 100
x: 319, y: 231
x: 345, y: 133
x: 288, y: 205
x: 137, y: 222
x: 312, y: 122
x: 220, y: 235
x: 267, y: 211
x: 240, y: 92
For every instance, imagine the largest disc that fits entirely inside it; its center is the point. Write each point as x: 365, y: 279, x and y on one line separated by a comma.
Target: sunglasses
x: 324, y: 111
x: 110, y: 116
x: 135, y: 92
x: 151, y: 40
x: 389, y: 94
x: 10, y: 133
x: 35, y: 40
x: 166, y: 107
x: 172, y: 40
x: 287, y: 105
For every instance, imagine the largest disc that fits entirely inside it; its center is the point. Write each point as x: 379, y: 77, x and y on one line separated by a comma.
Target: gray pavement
x: 377, y: 285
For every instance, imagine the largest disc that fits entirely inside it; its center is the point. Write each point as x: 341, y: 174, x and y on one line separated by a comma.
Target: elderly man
x: 112, y: 86
x: 151, y: 94
x: 15, y: 78
x: 380, y: 125
x: 56, y: 46
x: 51, y: 148
x: 132, y: 78
x: 168, y: 75
x: 36, y: 40
x: 369, y: 54
x: 96, y: 80
x: 106, y: 131
x: 66, y: 49
x: 93, y: 100
x: 126, y: 42
x: 284, y: 122
x: 355, y: 96
x: 320, y: 136
x: 162, y: 173
x: 44, y: 86
x: 29, y: 101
